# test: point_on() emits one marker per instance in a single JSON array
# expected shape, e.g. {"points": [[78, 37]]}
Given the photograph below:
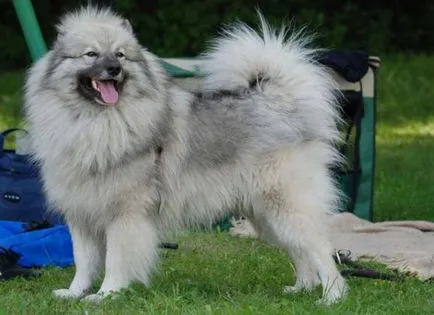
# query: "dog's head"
{"points": [[97, 56]]}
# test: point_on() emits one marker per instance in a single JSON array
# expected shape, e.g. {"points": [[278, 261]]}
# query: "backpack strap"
{"points": [[343, 257], [5, 133], [353, 111]]}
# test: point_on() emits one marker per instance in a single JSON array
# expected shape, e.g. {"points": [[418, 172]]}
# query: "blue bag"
{"points": [[50, 246], [21, 195]]}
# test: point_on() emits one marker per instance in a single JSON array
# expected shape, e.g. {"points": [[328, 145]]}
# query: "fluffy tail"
{"points": [[276, 64]]}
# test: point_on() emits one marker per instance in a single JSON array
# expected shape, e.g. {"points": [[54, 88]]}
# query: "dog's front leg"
{"points": [[88, 257], [131, 254]]}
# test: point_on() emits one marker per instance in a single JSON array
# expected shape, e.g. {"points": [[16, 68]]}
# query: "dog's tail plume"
{"points": [[276, 63]]}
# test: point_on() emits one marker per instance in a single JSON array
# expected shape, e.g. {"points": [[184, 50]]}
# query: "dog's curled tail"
{"points": [[276, 63]]}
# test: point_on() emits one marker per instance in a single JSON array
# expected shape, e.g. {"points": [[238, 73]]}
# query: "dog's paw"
{"points": [[299, 287], [326, 301], [67, 294], [292, 289], [336, 293], [99, 296], [93, 298]]}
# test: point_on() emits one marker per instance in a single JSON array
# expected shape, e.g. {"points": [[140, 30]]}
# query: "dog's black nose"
{"points": [[113, 70]]}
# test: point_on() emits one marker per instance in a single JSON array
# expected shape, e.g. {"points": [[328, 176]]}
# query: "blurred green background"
{"points": [[182, 28]]}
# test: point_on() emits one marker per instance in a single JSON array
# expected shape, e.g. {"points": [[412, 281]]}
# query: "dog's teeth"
{"points": [[94, 85]]}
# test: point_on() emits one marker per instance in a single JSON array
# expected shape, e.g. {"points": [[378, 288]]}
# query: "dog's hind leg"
{"points": [[290, 209], [131, 255], [307, 277], [307, 245], [88, 257], [306, 274]]}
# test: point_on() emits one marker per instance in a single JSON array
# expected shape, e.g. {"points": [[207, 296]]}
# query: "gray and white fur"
{"points": [[126, 155]]}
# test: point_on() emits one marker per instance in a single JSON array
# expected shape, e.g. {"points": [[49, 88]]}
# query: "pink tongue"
{"points": [[108, 92]]}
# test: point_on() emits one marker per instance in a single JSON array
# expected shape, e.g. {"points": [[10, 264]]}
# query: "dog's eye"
{"points": [[91, 54], [120, 55]]}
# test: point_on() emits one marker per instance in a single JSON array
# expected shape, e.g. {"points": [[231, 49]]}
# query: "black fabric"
{"points": [[356, 159], [168, 245], [350, 64], [342, 257], [36, 225], [9, 268], [352, 112], [351, 103]]}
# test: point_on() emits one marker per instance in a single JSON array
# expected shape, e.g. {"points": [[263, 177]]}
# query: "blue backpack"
{"points": [[21, 195], [29, 235]]}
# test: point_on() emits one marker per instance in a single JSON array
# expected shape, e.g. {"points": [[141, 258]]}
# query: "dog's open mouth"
{"points": [[105, 92]]}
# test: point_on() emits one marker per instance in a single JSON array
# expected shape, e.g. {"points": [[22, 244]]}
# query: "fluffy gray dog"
{"points": [[126, 155]]}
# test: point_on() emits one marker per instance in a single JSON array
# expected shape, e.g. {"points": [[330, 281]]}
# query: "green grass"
{"points": [[405, 134], [214, 273], [217, 274]]}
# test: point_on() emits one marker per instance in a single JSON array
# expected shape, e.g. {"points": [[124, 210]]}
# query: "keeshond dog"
{"points": [[127, 155]]}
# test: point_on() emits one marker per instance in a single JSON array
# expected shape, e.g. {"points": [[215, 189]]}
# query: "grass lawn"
{"points": [[214, 273]]}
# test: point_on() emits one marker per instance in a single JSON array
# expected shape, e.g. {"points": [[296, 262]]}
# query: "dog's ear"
{"points": [[127, 25]]}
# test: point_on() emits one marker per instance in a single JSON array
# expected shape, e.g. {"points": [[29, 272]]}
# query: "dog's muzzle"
{"points": [[103, 82]]}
